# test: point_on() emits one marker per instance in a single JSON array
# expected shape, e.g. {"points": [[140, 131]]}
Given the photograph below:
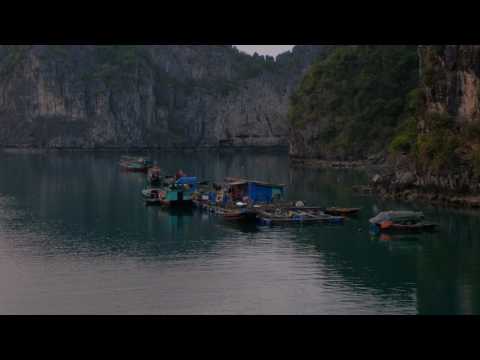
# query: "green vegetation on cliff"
{"points": [[436, 149], [355, 101]]}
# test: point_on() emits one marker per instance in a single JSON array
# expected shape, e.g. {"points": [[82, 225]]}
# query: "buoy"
{"points": [[299, 204]]}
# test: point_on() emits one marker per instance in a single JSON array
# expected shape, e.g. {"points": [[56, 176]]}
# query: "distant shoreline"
{"points": [[410, 195], [336, 164], [19, 149]]}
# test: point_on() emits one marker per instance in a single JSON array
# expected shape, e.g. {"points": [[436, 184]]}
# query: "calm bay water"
{"points": [[76, 238]]}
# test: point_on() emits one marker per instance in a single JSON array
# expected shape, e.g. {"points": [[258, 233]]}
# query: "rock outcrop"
{"points": [[160, 96], [445, 165], [450, 76]]}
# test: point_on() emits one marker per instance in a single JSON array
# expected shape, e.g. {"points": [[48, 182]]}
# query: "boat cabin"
{"points": [[182, 191]]}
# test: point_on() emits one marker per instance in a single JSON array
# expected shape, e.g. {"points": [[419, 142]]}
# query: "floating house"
{"points": [[179, 194], [255, 191]]}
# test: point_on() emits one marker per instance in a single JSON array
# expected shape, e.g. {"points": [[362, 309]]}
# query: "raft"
{"points": [[303, 216]]}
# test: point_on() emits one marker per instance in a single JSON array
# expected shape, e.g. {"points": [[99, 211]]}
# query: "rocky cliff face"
{"points": [[446, 159], [450, 76], [449, 124], [145, 96]]}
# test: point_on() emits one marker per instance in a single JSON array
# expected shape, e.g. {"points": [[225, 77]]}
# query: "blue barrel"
{"points": [[212, 197]]}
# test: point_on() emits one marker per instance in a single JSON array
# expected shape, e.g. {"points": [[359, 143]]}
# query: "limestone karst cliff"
{"points": [[448, 139], [416, 106], [443, 156], [61, 96]]}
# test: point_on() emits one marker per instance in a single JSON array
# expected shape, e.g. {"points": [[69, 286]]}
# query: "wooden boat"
{"points": [[133, 167], [334, 211], [241, 215], [152, 192], [233, 214], [398, 217], [171, 198], [181, 194], [400, 221], [130, 164], [153, 197], [389, 227]]}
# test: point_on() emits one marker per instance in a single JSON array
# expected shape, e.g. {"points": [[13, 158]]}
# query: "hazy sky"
{"points": [[273, 50]]}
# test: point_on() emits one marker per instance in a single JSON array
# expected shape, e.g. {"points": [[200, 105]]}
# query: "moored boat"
{"points": [[131, 164], [420, 227], [179, 194], [151, 192], [238, 214], [400, 221]]}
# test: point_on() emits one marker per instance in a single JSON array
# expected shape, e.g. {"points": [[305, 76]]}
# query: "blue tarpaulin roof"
{"points": [[187, 181]]}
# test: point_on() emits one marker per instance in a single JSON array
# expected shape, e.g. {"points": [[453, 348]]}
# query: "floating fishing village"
{"points": [[251, 201], [163, 179]]}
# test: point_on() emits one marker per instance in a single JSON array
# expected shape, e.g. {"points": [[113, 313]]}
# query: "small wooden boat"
{"points": [[334, 211], [400, 221], [240, 215], [164, 202], [134, 167], [153, 197], [233, 214], [389, 227], [169, 198], [131, 164], [181, 194], [152, 192], [398, 217]]}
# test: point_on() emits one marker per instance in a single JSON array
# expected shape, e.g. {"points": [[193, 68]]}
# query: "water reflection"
{"points": [[78, 207]]}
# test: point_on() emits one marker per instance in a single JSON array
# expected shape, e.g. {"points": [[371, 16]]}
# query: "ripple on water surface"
{"points": [[75, 237]]}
